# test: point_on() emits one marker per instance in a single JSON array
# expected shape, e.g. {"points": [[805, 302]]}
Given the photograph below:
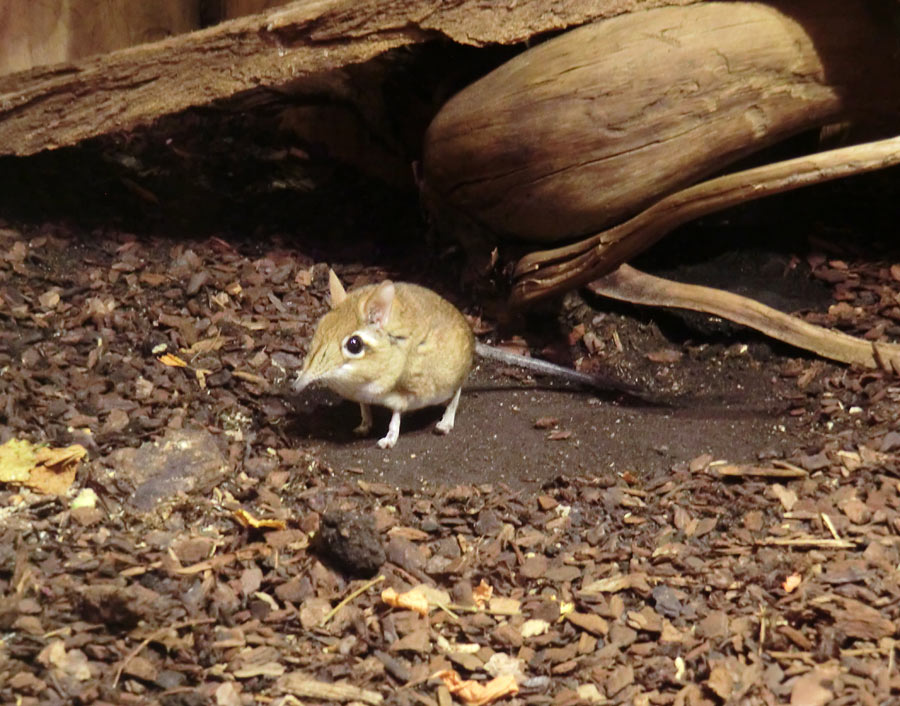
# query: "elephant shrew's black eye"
{"points": [[354, 345]]}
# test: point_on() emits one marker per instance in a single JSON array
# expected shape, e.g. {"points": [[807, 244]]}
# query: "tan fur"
{"points": [[418, 356]]}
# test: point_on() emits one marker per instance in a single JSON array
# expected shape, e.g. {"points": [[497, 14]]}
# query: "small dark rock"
{"points": [[350, 542], [667, 601]]}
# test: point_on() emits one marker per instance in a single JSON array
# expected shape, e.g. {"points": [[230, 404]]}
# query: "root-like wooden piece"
{"points": [[548, 272], [636, 287]]}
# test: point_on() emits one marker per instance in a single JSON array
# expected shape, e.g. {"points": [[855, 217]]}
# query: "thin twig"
{"points": [[359, 591], [859, 652], [150, 638], [732, 471], [809, 542], [830, 525]]}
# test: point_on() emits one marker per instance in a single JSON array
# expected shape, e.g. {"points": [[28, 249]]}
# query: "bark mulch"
{"points": [[204, 553]]}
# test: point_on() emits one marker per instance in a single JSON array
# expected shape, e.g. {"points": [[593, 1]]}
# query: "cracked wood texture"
{"points": [[52, 106], [589, 128]]}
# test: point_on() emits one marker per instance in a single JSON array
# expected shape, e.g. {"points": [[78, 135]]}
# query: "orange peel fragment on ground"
{"points": [[791, 583], [476, 693], [411, 600], [482, 593]]}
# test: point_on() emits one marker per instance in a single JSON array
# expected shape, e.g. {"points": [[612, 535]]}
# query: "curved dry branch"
{"points": [[636, 287], [548, 272]]}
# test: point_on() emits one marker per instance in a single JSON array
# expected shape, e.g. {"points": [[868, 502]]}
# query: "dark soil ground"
{"points": [[730, 535]]}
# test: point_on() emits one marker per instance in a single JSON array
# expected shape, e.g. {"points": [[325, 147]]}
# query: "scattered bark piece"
{"points": [[810, 689], [863, 622], [594, 624], [303, 686], [620, 678]]}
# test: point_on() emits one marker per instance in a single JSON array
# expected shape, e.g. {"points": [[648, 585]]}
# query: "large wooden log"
{"points": [[242, 8], [62, 104], [590, 128]]}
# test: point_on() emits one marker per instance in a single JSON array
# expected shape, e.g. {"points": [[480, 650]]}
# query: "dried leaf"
{"points": [[45, 469], [72, 663], [421, 598], [16, 461], [534, 627], [477, 693], [204, 346], [482, 593], [791, 583], [248, 520], [172, 360]]}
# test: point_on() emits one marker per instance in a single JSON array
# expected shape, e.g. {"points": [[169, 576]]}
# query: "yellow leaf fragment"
{"points": [[205, 345], [477, 693], [200, 374], [172, 361], [45, 469], [49, 456], [16, 460], [565, 608], [51, 481], [248, 520]]}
